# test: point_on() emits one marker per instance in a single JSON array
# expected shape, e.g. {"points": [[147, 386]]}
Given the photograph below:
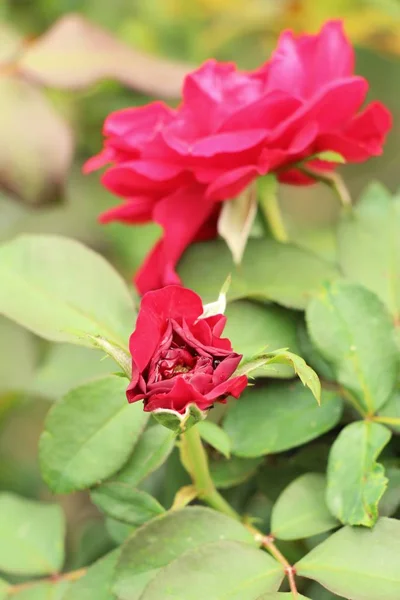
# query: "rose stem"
{"points": [[334, 181], [271, 211], [194, 458]]}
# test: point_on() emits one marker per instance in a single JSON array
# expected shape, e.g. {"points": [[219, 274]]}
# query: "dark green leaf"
{"points": [[152, 449], [301, 510], [32, 536], [175, 532], [227, 473], [264, 279], [61, 290], [358, 563], [254, 328], [89, 434], [356, 482], [215, 436], [369, 245], [364, 357], [124, 503], [97, 582], [279, 417], [224, 569]]}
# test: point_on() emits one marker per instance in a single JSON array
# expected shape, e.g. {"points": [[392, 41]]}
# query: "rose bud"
{"points": [[179, 360]]}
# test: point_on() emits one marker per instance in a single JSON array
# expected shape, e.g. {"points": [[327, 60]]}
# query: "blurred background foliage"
{"points": [[60, 75]]}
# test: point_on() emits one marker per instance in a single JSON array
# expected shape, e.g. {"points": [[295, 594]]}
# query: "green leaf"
{"points": [[118, 531], [265, 279], [390, 501], [175, 532], [18, 357], [235, 221], [352, 330], [356, 482], [59, 289], [307, 375], [317, 592], [178, 422], [391, 411], [311, 355], [65, 367], [43, 591], [224, 569], [124, 503], [277, 418], [227, 473], [32, 536], [358, 563], [215, 436], [152, 449], [89, 435], [369, 245], [253, 328], [97, 582], [301, 510]]}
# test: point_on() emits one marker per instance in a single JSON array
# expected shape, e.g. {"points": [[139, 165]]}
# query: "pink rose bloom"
{"points": [[175, 166]]}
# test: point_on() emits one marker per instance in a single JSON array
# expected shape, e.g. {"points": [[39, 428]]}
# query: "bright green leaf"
{"points": [[97, 582], [152, 449], [311, 355], [124, 503], [369, 245], [265, 279], [224, 569], [215, 436], [301, 510], [60, 290], [306, 374], [358, 563], [254, 328], [352, 330], [65, 367], [356, 482], [227, 473], [32, 536], [271, 419], [89, 435], [175, 532]]}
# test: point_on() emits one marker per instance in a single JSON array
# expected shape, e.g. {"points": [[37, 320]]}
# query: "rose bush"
{"points": [[178, 357], [175, 166]]}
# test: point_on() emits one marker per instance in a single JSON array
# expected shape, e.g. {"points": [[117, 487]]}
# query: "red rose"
{"points": [[175, 166], [179, 358]]}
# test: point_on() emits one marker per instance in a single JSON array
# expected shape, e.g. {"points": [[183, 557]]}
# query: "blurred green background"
{"points": [[58, 81]]}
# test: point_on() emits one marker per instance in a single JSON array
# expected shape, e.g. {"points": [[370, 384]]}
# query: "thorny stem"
{"points": [[71, 576], [334, 181], [195, 460]]}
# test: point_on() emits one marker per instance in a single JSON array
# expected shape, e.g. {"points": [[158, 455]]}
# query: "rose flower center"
{"points": [[175, 361]]}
